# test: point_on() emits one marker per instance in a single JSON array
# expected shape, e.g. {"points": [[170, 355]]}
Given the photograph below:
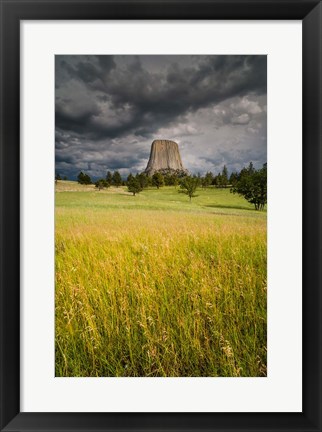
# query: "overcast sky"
{"points": [[109, 109]]}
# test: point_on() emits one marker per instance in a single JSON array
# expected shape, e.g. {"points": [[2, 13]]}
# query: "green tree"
{"points": [[84, 179], [175, 181], [168, 179], [233, 178], [80, 177], [218, 180], [207, 179], [199, 178], [171, 180], [188, 186], [251, 168], [101, 184], [252, 185], [143, 180], [157, 180], [109, 177], [116, 179], [134, 186], [224, 177]]}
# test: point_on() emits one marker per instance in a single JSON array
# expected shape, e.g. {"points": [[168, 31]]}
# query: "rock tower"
{"points": [[165, 158]]}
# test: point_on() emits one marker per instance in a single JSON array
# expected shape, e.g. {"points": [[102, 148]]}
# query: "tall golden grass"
{"points": [[146, 292]]}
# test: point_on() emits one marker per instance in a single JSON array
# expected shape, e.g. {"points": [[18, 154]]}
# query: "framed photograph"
{"points": [[161, 215]]}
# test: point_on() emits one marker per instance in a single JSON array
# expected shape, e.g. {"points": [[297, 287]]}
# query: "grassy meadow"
{"points": [[155, 286]]}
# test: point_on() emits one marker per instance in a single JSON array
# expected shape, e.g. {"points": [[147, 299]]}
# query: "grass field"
{"points": [[156, 286]]}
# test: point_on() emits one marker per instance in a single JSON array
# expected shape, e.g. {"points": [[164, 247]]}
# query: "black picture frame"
{"points": [[12, 12]]}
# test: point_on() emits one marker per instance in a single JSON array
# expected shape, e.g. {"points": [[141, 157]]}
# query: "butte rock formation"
{"points": [[165, 158]]}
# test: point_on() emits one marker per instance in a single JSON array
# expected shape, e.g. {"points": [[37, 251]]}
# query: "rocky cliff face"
{"points": [[165, 158]]}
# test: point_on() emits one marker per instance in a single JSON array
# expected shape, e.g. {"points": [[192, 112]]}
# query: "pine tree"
{"points": [[109, 177], [117, 179], [134, 185], [157, 180], [224, 177], [84, 178]]}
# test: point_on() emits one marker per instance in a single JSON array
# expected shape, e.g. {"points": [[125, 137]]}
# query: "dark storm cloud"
{"points": [[154, 100], [235, 158], [115, 99]]}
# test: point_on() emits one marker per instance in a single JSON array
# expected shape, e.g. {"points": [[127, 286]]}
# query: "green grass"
{"points": [[154, 285]]}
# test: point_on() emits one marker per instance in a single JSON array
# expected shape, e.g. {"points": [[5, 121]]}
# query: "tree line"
{"points": [[249, 182]]}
